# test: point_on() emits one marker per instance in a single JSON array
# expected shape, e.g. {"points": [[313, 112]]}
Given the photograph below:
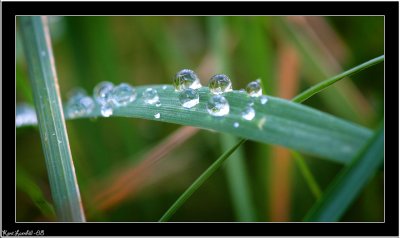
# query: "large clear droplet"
{"points": [[189, 98], [123, 94], [248, 113], [218, 106], [79, 104], [106, 109], [254, 89], [186, 78], [150, 96], [25, 115], [102, 93], [219, 84]]}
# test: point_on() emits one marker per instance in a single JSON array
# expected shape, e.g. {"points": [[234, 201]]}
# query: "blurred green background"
{"points": [[288, 53]]}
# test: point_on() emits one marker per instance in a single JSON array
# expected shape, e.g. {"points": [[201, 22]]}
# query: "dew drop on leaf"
{"points": [[248, 113], [218, 106], [123, 94], [254, 89], [150, 96], [189, 98], [186, 78], [219, 84]]}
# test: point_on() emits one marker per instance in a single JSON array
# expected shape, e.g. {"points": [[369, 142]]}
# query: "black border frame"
{"points": [[389, 9]]}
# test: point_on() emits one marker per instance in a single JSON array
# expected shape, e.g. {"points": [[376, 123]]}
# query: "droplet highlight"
{"points": [[157, 115], [150, 96], [106, 110], [236, 124], [102, 93], [219, 84], [218, 106], [186, 78], [254, 89], [123, 94], [189, 98], [263, 99], [248, 113]]}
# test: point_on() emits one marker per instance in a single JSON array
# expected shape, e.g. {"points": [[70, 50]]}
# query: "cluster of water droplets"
{"points": [[107, 97], [186, 83]]}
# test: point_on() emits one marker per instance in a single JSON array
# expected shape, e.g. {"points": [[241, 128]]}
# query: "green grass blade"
{"points": [[43, 79], [348, 184], [312, 183], [199, 181], [238, 181], [326, 83], [278, 122]]}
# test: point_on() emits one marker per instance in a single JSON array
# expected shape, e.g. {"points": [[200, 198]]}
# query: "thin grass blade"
{"points": [[43, 79], [305, 170], [348, 184], [199, 181], [326, 83]]}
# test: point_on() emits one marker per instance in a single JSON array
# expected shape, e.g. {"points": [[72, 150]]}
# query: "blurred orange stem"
{"points": [[280, 180]]}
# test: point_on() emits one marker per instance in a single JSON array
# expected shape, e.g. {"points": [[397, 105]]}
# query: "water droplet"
{"points": [[158, 104], [263, 99], [102, 93], [59, 141], [25, 115], [106, 110], [150, 96], [186, 78], [248, 113], [236, 124], [218, 106], [164, 87], [157, 115], [123, 94], [254, 89], [220, 83], [189, 98], [79, 104]]}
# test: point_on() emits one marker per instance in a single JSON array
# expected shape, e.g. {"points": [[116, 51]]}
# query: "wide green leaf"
{"points": [[278, 122]]}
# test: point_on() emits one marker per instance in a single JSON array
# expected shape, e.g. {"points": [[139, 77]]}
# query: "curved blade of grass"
{"points": [[199, 181], [348, 184], [311, 182], [324, 84], [43, 78], [279, 122]]}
